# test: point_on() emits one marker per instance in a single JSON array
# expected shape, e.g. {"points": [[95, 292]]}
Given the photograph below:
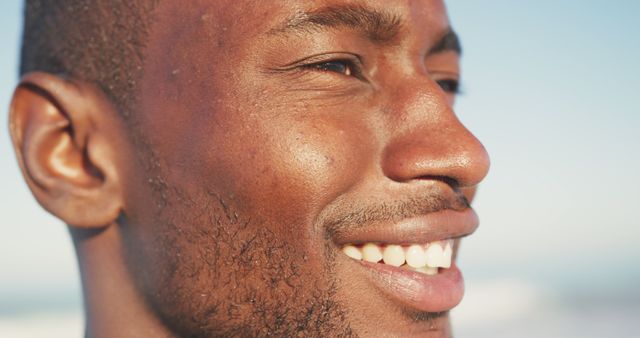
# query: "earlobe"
{"points": [[58, 129]]}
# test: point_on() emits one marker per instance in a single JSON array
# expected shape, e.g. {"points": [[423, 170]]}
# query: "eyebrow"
{"points": [[379, 27], [448, 42]]}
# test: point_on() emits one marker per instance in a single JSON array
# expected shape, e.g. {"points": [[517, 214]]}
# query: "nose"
{"points": [[427, 140]]}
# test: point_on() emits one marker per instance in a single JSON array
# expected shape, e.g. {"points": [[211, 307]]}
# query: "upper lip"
{"points": [[440, 225]]}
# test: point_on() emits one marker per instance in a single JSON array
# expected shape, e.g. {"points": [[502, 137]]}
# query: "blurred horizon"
{"points": [[548, 87]]}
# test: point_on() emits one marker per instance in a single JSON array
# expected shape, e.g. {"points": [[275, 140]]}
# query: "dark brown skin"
{"points": [[206, 216]]}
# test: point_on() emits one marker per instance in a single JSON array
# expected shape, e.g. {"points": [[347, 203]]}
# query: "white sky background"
{"points": [[551, 90]]}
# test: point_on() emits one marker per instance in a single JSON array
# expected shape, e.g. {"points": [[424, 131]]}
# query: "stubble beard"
{"points": [[210, 272]]}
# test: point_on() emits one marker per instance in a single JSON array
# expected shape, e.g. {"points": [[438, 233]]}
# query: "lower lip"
{"points": [[416, 290]]}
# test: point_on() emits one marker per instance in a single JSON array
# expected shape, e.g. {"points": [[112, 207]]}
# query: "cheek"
{"points": [[241, 206], [285, 171]]}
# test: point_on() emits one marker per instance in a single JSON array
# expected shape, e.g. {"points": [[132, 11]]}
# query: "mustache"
{"points": [[395, 211]]}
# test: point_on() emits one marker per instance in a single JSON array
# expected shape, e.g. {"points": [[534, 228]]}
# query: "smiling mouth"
{"points": [[427, 258], [411, 261]]}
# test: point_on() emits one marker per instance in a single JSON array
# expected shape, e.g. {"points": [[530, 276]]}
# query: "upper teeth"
{"points": [[426, 258]]}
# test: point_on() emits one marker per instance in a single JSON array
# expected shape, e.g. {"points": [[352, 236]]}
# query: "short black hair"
{"points": [[98, 41]]}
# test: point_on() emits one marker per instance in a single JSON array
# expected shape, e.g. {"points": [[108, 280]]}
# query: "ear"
{"points": [[64, 135]]}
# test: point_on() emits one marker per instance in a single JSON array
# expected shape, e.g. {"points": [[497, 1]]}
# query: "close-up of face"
{"points": [[291, 168]]}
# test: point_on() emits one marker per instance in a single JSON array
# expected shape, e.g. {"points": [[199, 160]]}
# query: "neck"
{"points": [[113, 305]]}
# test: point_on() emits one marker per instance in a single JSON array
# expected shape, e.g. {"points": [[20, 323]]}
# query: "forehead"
{"points": [[244, 19]]}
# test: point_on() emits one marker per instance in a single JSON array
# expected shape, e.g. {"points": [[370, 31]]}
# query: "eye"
{"points": [[344, 67], [450, 86]]}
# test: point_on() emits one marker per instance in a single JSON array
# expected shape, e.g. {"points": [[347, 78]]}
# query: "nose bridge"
{"points": [[426, 139]]}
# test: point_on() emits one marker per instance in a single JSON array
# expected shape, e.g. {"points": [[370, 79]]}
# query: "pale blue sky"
{"points": [[551, 91], [550, 88]]}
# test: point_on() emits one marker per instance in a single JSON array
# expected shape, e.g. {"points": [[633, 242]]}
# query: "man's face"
{"points": [[279, 132]]}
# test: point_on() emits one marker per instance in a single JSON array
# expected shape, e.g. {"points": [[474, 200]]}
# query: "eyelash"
{"points": [[449, 86]]}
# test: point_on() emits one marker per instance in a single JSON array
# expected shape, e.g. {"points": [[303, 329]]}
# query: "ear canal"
{"points": [[65, 161]]}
